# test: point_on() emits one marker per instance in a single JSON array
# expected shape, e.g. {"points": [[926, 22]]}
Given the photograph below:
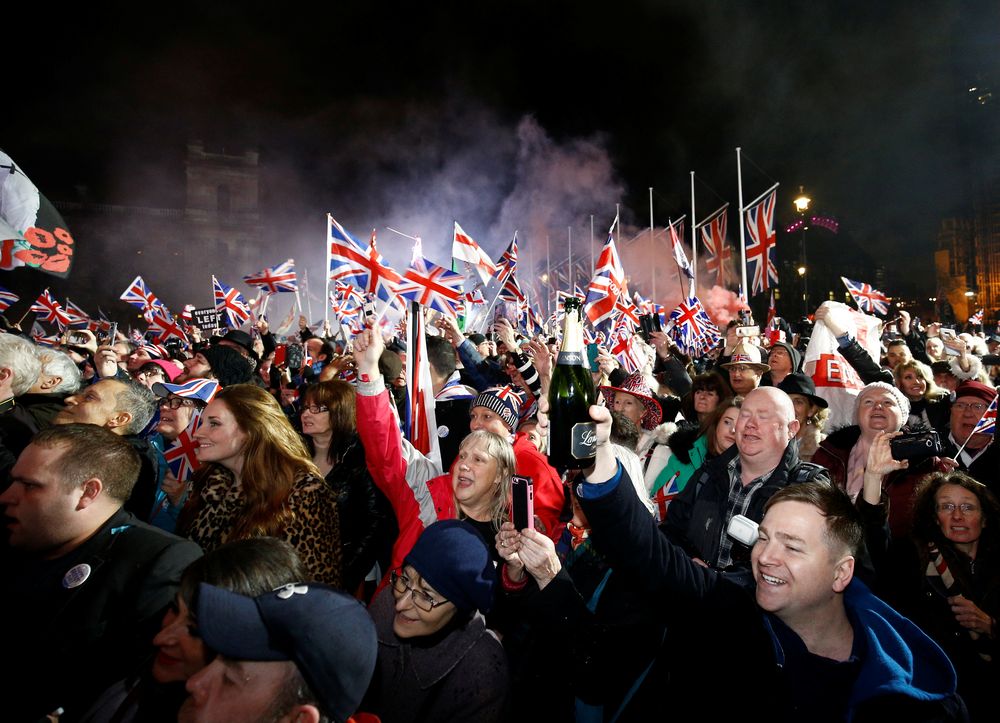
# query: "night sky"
{"points": [[519, 115]]}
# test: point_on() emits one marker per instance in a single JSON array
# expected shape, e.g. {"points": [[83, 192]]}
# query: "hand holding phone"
{"points": [[522, 509]]}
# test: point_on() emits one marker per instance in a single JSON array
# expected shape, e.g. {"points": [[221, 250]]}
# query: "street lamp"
{"points": [[801, 204]]}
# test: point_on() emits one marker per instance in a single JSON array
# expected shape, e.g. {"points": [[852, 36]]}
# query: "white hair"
{"points": [[18, 355], [59, 364]]}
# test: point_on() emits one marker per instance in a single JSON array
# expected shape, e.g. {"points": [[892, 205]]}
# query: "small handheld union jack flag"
{"points": [[138, 295], [977, 318], [988, 423], [7, 298], [180, 455], [693, 330], [431, 285], [868, 298], [49, 310], [230, 303], [275, 279]]}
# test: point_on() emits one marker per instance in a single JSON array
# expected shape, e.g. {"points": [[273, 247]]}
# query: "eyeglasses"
{"points": [[149, 372], [965, 507], [401, 585], [974, 406], [315, 408], [177, 402]]}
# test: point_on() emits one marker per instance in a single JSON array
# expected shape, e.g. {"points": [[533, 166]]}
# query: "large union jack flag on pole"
{"points": [[49, 310], [230, 304], [138, 295], [275, 279], [761, 253], [713, 236], [869, 299], [430, 285]]}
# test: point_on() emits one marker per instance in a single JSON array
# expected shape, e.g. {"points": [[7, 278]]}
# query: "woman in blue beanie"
{"points": [[436, 659]]}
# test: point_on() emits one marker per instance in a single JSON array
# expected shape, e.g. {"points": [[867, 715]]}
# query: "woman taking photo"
{"points": [[367, 524], [257, 479], [477, 490]]}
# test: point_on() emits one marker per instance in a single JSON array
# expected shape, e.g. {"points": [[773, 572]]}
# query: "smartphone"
{"points": [[279, 355], [109, 338], [648, 323], [593, 351], [76, 338], [522, 509]]}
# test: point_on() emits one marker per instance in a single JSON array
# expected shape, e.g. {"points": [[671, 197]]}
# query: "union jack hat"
{"points": [[202, 390], [749, 355], [505, 402], [636, 386]]}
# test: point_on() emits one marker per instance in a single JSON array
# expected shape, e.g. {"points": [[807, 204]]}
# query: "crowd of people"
{"points": [[238, 529]]}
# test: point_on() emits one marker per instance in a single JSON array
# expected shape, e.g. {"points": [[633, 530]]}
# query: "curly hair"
{"points": [[274, 457]]}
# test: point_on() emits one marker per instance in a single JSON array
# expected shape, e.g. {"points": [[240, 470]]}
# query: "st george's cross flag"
{"points": [[464, 248]]}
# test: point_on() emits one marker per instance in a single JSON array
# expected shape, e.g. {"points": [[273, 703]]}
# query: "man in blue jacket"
{"points": [[799, 638]]}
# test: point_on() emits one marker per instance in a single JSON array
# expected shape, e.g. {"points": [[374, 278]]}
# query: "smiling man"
{"points": [[981, 456], [801, 631], [87, 582], [741, 480]]}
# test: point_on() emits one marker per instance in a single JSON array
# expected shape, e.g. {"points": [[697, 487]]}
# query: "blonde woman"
{"points": [[930, 405]]}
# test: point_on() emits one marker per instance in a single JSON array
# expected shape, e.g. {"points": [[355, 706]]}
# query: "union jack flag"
{"points": [[275, 279], [977, 318], [180, 455], [164, 327], [48, 309], [382, 279], [988, 423], [186, 314], [464, 248], [713, 235], [607, 286], [78, 318], [511, 290], [474, 297], [693, 330], [39, 337], [761, 250], [664, 495], [7, 298], [230, 304], [431, 285], [868, 298], [138, 295], [507, 262], [625, 347], [156, 351], [347, 260]]}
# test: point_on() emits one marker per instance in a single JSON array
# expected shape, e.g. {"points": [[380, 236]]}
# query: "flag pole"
{"points": [[326, 291], [694, 239], [618, 226], [652, 244], [548, 274], [743, 246], [680, 279], [591, 245], [569, 241]]}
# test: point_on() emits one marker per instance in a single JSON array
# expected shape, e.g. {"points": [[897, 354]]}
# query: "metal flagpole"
{"points": [[618, 226], [652, 246], [694, 239], [591, 245], [548, 275], [572, 273], [326, 294], [743, 246]]}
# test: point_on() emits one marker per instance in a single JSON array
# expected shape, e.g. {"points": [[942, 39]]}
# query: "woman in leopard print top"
{"points": [[258, 479]]}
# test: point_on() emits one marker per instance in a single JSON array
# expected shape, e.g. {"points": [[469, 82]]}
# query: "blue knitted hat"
{"points": [[454, 559]]}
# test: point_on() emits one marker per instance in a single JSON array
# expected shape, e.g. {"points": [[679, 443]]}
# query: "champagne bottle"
{"points": [[572, 433]]}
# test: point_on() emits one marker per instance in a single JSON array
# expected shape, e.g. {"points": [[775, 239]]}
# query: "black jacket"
{"points": [[697, 516], [67, 644]]}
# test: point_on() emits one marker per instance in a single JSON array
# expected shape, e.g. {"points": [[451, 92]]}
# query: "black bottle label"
{"points": [[584, 444], [570, 358]]}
